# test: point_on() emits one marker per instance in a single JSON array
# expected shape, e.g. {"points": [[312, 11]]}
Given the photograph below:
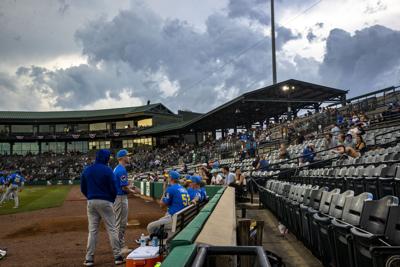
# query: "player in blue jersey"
{"points": [[2, 185], [16, 183], [194, 189], [175, 199], [121, 201]]}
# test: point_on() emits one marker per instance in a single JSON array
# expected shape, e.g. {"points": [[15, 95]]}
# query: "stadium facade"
{"points": [[24, 132]]}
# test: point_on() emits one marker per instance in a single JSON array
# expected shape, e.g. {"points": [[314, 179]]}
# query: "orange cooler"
{"points": [[146, 256]]}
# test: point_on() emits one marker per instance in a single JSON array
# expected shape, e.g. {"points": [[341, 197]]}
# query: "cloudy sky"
{"points": [[187, 54]]}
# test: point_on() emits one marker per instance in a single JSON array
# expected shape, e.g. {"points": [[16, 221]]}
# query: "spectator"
{"points": [[263, 164], [348, 142], [308, 154], [360, 145], [216, 178], [329, 142], [229, 177], [283, 152]]}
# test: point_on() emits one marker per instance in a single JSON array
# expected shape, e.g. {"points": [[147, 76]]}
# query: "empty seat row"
{"points": [[380, 180], [340, 228]]}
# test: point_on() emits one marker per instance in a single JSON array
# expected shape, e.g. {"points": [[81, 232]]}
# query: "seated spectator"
{"points": [[263, 164], [348, 142], [308, 154], [360, 145], [346, 150], [335, 131], [229, 177], [216, 178], [283, 152], [329, 142]]}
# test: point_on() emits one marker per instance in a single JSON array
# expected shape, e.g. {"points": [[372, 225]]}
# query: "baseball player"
{"points": [[176, 198], [98, 186], [16, 183], [121, 201], [2, 185], [194, 189]]}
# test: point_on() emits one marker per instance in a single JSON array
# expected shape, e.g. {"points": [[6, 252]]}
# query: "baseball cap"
{"points": [[122, 153], [196, 179], [174, 175]]}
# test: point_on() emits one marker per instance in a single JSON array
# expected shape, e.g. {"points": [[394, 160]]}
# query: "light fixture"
{"points": [[285, 88], [293, 87]]}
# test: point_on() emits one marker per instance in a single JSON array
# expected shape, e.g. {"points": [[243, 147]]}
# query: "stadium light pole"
{"points": [[273, 43]]}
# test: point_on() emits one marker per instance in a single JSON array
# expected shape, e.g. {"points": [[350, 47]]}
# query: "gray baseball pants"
{"points": [[11, 190], [121, 217], [98, 210], [166, 221]]}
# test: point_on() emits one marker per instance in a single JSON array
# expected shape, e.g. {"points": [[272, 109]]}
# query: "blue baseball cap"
{"points": [[122, 153], [196, 179], [174, 175]]}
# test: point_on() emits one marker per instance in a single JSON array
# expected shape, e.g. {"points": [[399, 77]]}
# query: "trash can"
{"points": [[146, 256]]}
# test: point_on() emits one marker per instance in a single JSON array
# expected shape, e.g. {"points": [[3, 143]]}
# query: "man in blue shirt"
{"points": [[98, 186], [175, 199], [15, 183], [308, 154], [121, 201]]}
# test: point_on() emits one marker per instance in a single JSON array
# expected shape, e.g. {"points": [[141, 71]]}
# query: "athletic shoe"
{"points": [[3, 253], [119, 260], [88, 263]]}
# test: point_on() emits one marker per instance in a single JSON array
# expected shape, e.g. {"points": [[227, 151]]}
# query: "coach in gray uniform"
{"points": [[98, 185]]}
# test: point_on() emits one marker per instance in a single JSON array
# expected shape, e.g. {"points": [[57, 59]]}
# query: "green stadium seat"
{"points": [[180, 256]]}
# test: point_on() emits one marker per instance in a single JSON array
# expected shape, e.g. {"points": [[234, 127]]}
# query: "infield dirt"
{"points": [[57, 236]]}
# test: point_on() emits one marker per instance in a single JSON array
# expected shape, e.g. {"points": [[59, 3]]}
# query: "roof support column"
{"points": [[196, 138], [343, 100]]}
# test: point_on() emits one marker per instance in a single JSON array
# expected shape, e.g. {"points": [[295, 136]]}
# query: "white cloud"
{"points": [[124, 99]]}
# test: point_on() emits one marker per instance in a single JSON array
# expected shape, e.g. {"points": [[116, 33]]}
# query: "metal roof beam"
{"points": [[285, 100]]}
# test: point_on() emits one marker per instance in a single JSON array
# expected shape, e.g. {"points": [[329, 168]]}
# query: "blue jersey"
{"points": [[2, 180], [203, 194], [177, 198], [121, 179], [194, 193], [16, 179]]}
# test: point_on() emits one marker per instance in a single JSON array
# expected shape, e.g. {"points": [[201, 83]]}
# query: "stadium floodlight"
{"points": [[285, 88]]}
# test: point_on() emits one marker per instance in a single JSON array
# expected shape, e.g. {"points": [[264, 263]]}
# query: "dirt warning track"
{"points": [[57, 236]]}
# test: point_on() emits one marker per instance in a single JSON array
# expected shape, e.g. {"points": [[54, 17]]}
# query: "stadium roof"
{"points": [[255, 106], [83, 115]]}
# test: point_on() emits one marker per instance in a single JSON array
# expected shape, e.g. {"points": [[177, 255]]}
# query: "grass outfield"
{"points": [[37, 197]]}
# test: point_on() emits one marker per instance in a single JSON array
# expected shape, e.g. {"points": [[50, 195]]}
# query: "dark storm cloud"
{"points": [[369, 59], [255, 9], [137, 46]]}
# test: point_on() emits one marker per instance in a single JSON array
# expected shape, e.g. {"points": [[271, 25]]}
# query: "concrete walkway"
{"points": [[292, 251]]}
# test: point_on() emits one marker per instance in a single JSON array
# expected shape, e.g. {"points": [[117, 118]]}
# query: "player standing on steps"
{"points": [[121, 201], [98, 186]]}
